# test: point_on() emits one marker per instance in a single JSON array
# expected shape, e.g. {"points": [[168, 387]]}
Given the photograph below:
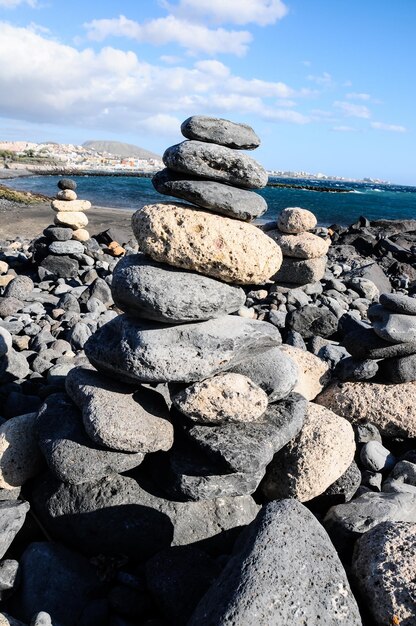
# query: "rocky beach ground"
{"points": [[189, 438]]}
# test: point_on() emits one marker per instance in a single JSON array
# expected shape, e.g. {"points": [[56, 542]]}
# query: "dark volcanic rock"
{"points": [[58, 233], [216, 197], [220, 131], [55, 580], [399, 369], [250, 446], [365, 344], [310, 321], [263, 582], [67, 183], [70, 454], [144, 352], [61, 266], [214, 162], [145, 288], [398, 303]]}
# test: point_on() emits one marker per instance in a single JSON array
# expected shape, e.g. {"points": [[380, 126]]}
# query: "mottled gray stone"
{"points": [[58, 233], [67, 183], [217, 197], [384, 570], [12, 517], [54, 580], [249, 447], [375, 457], [311, 320], [398, 303], [354, 369], [116, 417], [263, 582], [61, 266], [66, 247], [363, 343], [393, 327], [19, 287], [145, 288], [402, 479], [214, 162], [115, 515], [138, 351], [300, 272], [70, 454], [8, 577], [275, 372], [6, 341], [220, 131]]}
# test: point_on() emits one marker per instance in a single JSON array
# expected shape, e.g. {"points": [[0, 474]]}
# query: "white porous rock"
{"points": [[80, 234], [73, 206], [66, 194], [217, 246], [302, 246], [313, 372], [295, 220], [74, 220]]}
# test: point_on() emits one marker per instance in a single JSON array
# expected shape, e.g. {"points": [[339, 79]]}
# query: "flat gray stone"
{"points": [[393, 327], [284, 570], [217, 197], [207, 160], [249, 447], [66, 247], [158, 292], [116, 417], [115, 515], [300, 271], [69, 453], [12, 517], [364, 343], [220, 131], [398, 303], [137, 351]]}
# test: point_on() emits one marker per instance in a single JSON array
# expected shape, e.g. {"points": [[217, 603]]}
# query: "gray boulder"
{"points": [[399, 369], [284, 570], [398, 303], [220, 131], [66, 247], [273, 371], [158, 292], [207, 160], [310, 321], [363, 343], [69, 453], [300, 271], [139, 351], [394, 327], [19, 287], [217, 197], [12, 517]]}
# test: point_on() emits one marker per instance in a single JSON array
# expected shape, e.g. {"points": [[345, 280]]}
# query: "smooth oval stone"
{"points": [[398, 303], [20, 458], [73, 206], [300, 271], [394, 327], [145, 288], [227, 397], [73, 219], [140, 351], [295, 220], [115, 417], [399, 369], [67, 183], [230, 250], [208, 160], [66, 247], [56, 233], [301, 246], [80, 234], [66, 194], [220, 131], [283, 570], [375, 457], [363, 343], [208, 194]]}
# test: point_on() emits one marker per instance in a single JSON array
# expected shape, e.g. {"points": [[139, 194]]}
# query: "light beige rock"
{"points": [[296, 220], [316, 458], [80, 234], [384, 566], [20, 457], [231, 250], [301, 271], [314, 373], [6, 279], [66, 194], [3, 267], [73, 206], [225, 398], [74, 220], [392, 408], [301, 246]]}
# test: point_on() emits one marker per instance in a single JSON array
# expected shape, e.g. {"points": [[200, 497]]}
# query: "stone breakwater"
{"points": [[171, 430]]}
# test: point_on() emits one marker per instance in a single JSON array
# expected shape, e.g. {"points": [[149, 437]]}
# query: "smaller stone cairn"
{"points": [[304, 253]]}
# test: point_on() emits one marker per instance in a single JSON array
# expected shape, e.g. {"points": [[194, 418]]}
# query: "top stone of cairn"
{"points": [[220, 131]]}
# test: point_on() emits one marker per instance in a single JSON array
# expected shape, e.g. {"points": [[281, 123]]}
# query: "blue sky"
{"points": [[327, 84]]}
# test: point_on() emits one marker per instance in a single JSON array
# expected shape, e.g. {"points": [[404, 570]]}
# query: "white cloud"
{"points": [[45, 81], [170, 59], [195, 38], [353, 110], [12, 4], [394, 128], [324, 79], [358, 96], [261, 12]]}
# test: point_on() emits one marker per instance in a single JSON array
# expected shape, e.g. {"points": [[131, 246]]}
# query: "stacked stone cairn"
{"points": [[304, 253]]}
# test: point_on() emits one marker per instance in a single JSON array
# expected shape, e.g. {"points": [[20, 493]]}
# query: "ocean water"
{"points": [[341, 202]]}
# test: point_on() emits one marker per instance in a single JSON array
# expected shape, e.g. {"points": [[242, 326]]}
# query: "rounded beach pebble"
{"points": [[20, 457], [224, 398], [80, 234], [301, 246], [66, 194], [233, 251], [67, 183], [220, 131], [295, 220]]}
